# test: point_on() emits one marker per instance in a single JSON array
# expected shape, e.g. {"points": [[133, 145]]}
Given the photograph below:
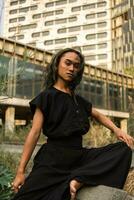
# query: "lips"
{"points": [[69, 74]]}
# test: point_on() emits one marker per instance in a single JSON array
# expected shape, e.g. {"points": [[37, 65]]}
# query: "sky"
{"points": [[1, 15]]}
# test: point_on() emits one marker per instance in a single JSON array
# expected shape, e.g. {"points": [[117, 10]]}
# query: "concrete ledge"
{"points": [[102, 193], [5, 100], [113, 113]]}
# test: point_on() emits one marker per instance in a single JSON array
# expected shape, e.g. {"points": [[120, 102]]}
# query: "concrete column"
{"points": [[105, 96], [9, 120], [123, 125]]}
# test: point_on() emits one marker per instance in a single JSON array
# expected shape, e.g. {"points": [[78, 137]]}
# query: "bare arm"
{"points": [[110, 125], [28, 149]]}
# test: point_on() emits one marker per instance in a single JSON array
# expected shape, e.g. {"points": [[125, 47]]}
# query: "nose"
{"points": [[71, 67]]}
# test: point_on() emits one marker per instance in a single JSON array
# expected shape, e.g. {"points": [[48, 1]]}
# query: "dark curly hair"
{"points": [[52, 69]]}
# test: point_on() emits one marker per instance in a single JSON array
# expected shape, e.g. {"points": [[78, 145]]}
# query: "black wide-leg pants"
{"points": [[55, 166]]}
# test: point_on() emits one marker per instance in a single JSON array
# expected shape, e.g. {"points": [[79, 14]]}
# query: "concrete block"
{"points": [[102, 193]]}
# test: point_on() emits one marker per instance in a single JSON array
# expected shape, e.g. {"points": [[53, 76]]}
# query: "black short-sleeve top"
{"points": [[64, 115]]}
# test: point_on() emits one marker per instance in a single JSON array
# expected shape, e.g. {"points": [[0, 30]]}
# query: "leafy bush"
{"points": [[8, 166], [5, 186], [18, 136], [10, 160]]}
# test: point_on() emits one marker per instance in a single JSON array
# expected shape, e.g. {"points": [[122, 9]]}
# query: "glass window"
{"points": [[102, 24], [12, 38], [51, 4], [34, 7], [102, 56], [25, 77], [47, 14], [101, 14], [88, 6], [19, 37], [89, 47], [130, 37], [12, 29], [28, 26], [48, 42], [37, 16], [4, 68], [13, 20], [20, 19], [60, 41], [72, 19], [91, 57], [49, 23], [77, 48], [90, 16], [88, 26], [61, 2], [102, 35], [62, 30], [13, 3], [61, 21], [90, 36], [75, 9], [13, 11], [32, 44], [74, 28], [72, 1], [58, 12], [101, 4], [22, 1], [45, 33], [72, 39], [103, 45], [32, 25], [37, 34], [24, 9]]}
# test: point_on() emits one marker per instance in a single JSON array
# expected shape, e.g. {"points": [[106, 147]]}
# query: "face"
{"points": [[68, 67]]}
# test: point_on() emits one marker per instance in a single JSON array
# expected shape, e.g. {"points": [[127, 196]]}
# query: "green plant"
{"points": [[5, 186], [19, 135], [10, 160]]}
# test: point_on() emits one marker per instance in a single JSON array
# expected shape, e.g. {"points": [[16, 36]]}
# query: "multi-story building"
{"points": [[1, 15], [56, 24], [123, 34]]}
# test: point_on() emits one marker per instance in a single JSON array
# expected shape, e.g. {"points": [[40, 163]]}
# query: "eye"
{"points": [[76, 65], [68, 62]]}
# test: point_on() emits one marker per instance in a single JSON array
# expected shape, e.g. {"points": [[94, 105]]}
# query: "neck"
{"points": [[63, 86]]}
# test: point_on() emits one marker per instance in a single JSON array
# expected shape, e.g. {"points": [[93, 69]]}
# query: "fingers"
{"points": [[128, 140], [124, 140], [131, 141], [15, 187]]}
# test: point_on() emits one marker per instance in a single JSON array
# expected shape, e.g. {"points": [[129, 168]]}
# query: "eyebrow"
{"points": [[72, 61]]}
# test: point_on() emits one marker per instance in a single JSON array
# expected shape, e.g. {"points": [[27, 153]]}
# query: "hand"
{"points": [[121, 135], [18, 182]]}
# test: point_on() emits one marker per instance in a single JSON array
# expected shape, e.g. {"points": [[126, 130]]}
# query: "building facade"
{"points": [[123, 34], [22, 78], [55, 24], [1, 15]]}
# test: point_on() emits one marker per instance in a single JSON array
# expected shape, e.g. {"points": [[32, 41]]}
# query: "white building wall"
{"points": [[97, 49]]}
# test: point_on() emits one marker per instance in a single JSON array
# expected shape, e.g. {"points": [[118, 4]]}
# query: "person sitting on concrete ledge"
{"points": [[63, 165]]}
